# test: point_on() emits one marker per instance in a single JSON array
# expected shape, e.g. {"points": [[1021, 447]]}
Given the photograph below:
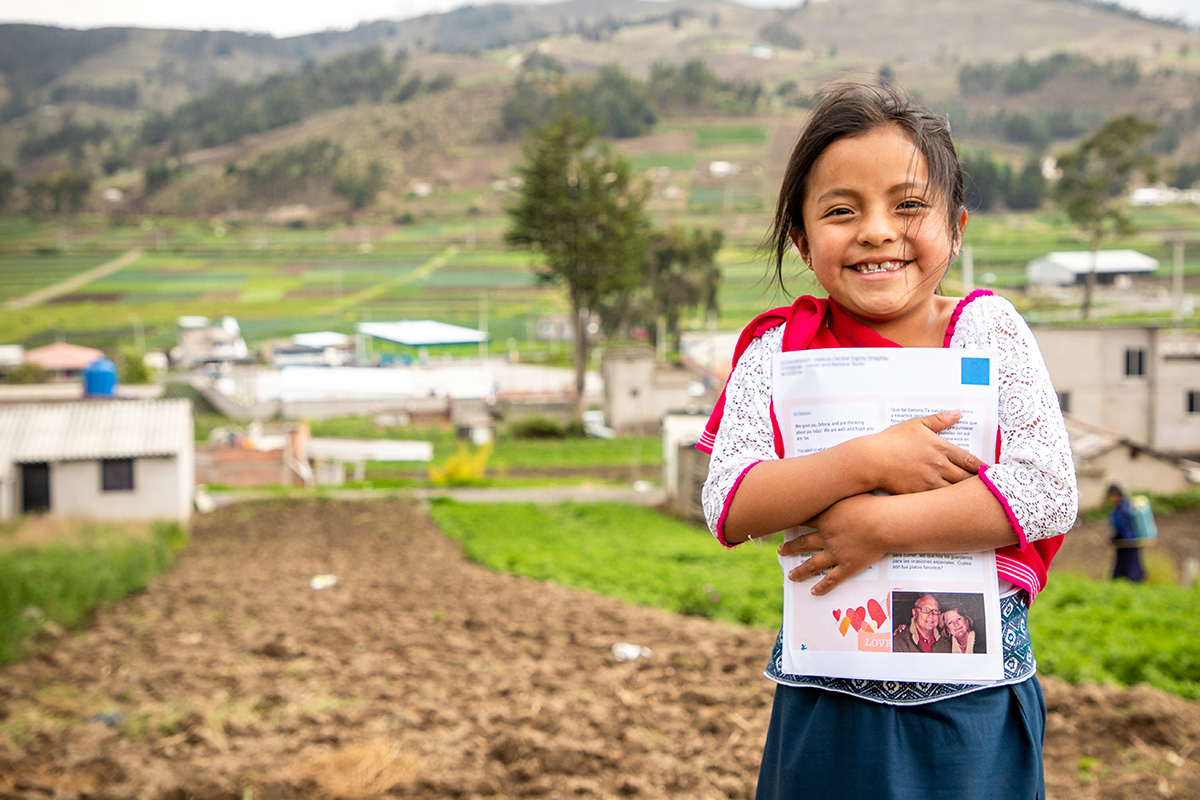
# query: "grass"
{"points": [[637, 456], [63, 580], [1116, 633], [1120, 633], [632, 553]]}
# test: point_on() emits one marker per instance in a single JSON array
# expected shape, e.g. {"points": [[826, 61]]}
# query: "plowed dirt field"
{"points": [[422, 675]]}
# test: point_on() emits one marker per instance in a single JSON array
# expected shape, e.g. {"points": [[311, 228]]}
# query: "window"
{"points": [[1193, 402], [1135, 362], [1064, 402], [116, 475]]}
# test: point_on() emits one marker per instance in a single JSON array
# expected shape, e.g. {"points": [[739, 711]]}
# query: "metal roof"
{"points": [[94, 429], [1079, 262], [321, 339], [422, 332]]}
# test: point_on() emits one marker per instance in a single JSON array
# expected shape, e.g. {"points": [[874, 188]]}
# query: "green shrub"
{"points": [[536, 428]]}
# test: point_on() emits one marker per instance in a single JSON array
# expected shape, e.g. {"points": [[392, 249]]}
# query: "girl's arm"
{"points": [[908, 457], [858, 531], [750, 492]]}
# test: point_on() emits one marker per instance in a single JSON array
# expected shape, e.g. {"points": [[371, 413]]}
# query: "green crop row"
{"points": [[1083, 631], [631, 553]]}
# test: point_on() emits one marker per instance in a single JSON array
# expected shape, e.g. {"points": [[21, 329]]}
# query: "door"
{"points": [[35, 488]]}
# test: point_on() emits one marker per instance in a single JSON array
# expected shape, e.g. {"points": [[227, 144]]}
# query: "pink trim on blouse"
{"points": [[958, 310], [1022, 541], [728, 501]]}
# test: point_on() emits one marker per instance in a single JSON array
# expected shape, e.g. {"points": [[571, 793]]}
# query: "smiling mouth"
{"points": [[874, 269]]}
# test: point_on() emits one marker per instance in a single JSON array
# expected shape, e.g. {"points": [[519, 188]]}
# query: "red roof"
{"points": [[61, 356]]}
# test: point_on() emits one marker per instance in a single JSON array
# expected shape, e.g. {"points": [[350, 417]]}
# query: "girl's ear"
{"points": [[801, 242], [956, 237]]}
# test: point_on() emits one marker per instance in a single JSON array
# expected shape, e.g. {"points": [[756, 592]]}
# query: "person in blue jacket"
{"points": [[1125, 539]]}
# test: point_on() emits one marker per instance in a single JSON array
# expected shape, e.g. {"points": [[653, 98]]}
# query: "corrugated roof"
{"points": [[94, 429]]}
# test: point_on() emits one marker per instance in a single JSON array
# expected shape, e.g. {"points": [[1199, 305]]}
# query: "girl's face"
{"points": [[875, 232]]}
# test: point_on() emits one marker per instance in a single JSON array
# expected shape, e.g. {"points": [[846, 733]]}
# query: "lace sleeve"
{"points": [[745, 436], [1034, 477]]}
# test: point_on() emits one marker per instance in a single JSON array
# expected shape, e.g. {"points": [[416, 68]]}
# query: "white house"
{"points": [[109, 459], [1141, 383], [1065, 268], [201, 343]]}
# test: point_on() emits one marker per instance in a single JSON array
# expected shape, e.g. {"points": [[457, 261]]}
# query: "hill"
{"points": [[144, 111]]}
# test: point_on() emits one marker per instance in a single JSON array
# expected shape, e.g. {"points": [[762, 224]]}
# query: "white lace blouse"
{"points": [[1034, 477]]}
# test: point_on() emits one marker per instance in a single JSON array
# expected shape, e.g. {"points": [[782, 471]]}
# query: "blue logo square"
{"points": [[975, 371]]}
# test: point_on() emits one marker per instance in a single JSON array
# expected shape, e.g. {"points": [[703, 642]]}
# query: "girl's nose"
{"points": [[878, 227]]}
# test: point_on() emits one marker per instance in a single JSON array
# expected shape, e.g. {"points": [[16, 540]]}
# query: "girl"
{"points": [[873, 202]]}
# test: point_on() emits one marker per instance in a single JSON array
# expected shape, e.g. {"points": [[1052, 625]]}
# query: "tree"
{"points": [[8, 182], [617, 103], [581, 210], [679, 272], [1095, 178], [1028, 188]]}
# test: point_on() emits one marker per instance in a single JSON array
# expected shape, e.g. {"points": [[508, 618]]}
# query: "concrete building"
{"points": [[107, 459], [1142, 383], [201, 343], [638, 390], [684, 467]]}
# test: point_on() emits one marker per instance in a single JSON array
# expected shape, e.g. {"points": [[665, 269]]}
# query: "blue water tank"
{"points": [[100, 378]]}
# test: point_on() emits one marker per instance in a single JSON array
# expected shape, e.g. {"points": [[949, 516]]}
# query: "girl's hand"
{"points": [[911, 457], [847, 541]]}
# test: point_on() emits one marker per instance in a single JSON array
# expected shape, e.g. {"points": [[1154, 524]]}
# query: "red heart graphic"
{"points": [[837, 614], [857, 617], [876, 611]]}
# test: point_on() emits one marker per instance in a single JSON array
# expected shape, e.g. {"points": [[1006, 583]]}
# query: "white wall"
{"points": [[1089, 365], [677, 430], [162, 490]]}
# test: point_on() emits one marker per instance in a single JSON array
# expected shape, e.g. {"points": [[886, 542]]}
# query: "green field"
{"points": [[278, 281]]}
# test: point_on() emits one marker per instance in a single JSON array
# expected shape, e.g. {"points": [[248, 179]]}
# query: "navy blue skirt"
{"points": [[827, 745]]}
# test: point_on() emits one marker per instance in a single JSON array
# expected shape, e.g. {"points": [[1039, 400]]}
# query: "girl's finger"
{"points": [[805, 543], [814, 566], [827, 584]]}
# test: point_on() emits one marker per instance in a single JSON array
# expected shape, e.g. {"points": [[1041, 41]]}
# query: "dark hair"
{"points": [[853, 109], [1115, 489]]}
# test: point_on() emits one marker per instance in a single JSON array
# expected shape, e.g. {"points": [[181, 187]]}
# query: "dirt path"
{"points": [[421, 675], [74, 282]]}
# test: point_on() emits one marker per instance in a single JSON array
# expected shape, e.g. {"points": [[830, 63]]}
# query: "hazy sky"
{"points": [[292, 18]]}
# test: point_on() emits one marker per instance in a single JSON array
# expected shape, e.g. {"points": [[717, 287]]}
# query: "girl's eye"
{"points": [[912, 205], [837, 212]]}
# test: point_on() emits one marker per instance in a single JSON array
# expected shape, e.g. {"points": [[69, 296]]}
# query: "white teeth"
{"points": [[887, 266]]}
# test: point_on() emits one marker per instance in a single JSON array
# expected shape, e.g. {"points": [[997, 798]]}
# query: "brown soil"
{"points": [[422, 675]]}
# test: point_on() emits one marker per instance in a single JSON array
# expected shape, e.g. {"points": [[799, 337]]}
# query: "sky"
{"points": [[293, 18]]}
